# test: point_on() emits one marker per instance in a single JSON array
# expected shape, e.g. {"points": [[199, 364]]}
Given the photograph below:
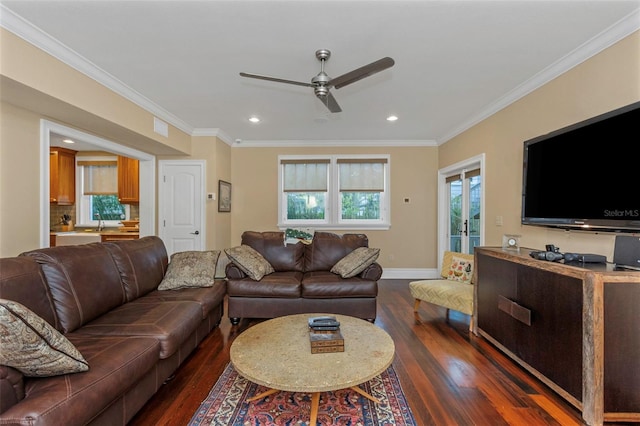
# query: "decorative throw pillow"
{"points": [[249, 261], [190, 269], [355, 262], [460, 270], [31, 345]]}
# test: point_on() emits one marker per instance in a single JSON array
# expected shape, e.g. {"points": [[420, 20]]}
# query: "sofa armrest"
{"points": [[232, 271], [372, 272], [11, 387]]}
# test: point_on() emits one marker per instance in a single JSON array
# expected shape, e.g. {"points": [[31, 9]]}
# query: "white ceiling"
{"points": [[456, 62]]}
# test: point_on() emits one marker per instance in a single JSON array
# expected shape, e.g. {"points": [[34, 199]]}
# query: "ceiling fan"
{"points": [[321, 83]]}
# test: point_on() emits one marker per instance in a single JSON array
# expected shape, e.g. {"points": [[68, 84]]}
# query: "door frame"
{"points": [[147, 175], [475, 162], [162, 164]]}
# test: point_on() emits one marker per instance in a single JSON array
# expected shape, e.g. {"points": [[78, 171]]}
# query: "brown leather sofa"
{"points": [[302, 281], [103, 298]]}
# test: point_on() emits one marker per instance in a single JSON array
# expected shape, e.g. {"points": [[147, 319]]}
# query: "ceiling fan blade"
{"points": [[277, 80], [362, 72], [330, 102]]}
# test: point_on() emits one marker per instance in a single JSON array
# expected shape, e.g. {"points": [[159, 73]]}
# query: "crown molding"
{"points": [[330, 143], [218, 133], [616, 32], [43, 41]]}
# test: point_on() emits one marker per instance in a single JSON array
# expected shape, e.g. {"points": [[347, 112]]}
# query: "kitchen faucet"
{"points": [[100, 222]]}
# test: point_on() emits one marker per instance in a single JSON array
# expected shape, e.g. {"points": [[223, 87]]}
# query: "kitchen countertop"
{"points": [[93, 232]]}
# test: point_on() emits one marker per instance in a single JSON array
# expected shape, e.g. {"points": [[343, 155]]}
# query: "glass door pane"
{"points": [[474, 187], [465, 195], [455, 214]]}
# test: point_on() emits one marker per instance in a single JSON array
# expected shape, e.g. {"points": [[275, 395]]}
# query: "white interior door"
{"points": [[181, 202]]}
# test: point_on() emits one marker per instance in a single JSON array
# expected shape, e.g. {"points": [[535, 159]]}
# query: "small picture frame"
{"points": [[224, 196]]}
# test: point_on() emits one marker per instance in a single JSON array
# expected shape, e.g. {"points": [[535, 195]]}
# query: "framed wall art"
{"points": [[224, 196]]}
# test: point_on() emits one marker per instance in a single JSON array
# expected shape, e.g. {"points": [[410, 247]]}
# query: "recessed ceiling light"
{"points": [[67, 141], [254, 119], [392, 118]]}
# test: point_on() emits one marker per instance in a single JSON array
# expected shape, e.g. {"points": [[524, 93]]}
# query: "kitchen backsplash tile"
{"points": [[56, 213]]}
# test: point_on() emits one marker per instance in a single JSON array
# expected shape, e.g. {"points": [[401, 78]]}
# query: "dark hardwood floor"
{"points": [[450, 376]]}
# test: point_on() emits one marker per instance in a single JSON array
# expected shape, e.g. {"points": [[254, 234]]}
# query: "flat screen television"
{"points": [[585, 176]]}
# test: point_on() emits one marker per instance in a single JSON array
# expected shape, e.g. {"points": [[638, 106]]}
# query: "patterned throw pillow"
{"points": [[460, 270], [190, 269], [355, 262], [249, 261], [31, 345]]}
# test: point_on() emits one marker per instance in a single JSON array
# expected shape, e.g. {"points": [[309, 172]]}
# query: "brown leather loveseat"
{"points": [[302, 281], [103, 298]]}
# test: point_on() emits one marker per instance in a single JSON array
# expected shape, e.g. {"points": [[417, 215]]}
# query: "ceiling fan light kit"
{"points": [[322, 83]]}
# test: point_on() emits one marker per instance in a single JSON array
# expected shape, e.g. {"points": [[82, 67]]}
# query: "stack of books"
{"points": [[324, 335]]}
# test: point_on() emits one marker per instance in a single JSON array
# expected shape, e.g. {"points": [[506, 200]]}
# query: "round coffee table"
{"points": [[277, 354]]}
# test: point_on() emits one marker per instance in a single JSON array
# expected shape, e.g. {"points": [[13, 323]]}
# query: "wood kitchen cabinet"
{"points": [[119, 237], [62, 176], [128, 180], [575, 327]]}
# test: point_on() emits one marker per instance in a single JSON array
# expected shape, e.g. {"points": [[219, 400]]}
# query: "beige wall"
{"points": [[223, 172], [411, 240], [19, 180], [605, 82]]}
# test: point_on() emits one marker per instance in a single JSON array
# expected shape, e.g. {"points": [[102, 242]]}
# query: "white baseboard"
{"points": [[409, 273]]}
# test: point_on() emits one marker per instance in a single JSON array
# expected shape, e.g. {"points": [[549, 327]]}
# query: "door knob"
{"points": [[196, 233]]}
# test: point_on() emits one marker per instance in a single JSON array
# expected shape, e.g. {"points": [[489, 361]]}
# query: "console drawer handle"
{"points": [[514, 310]]}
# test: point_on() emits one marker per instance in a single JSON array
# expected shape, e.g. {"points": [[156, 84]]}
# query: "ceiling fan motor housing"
{"points": [[321, 91]]}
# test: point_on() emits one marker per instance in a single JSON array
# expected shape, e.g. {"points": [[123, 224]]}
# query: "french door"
{"points": [[461, 213]]}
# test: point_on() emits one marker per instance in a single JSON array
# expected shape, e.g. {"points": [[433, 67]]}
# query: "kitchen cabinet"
{"points": [[62, 176], [573, 326], [128, 180], [119, 237]]}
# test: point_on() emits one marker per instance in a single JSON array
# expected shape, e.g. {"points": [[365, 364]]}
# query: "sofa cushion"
{"points": [[278, 284], [142, 264], [84, 281], [325, 284], [22, 281], [207, 297], [326, 249], [190, 269], [250, 261], [281, 256], [118, 363], [168, 322], [355, 262], [32, 346]]}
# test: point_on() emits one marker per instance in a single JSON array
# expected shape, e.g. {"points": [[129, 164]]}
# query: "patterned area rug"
{"points": [[226, 405]]}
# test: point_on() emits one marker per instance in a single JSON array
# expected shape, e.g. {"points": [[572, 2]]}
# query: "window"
{"points": [[98, 186], [334, 192]]}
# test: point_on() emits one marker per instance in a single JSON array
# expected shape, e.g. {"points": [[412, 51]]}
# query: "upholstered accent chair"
{"points": [[454, 288]]}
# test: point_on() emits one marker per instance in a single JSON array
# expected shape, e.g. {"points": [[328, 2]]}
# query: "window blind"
{"points": [[467, 175], [362, 175], [100, 177], [305, 175]]}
